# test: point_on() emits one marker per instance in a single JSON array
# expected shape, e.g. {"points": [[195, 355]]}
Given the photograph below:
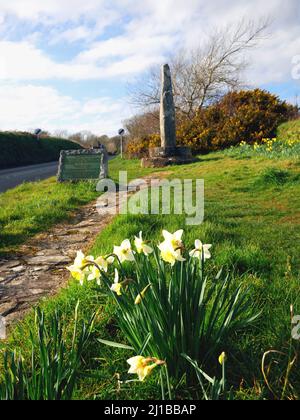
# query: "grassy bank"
{"points": [[252, 219], [289, 131], [18, 149]]}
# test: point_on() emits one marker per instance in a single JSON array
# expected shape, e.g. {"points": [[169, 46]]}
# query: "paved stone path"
{"points": [[38, 269]]}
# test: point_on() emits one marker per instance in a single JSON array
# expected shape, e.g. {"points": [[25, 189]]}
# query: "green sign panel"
{"points": [[76, 165]]}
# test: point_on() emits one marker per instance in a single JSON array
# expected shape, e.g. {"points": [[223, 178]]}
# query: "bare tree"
{"points": [[201, 76], [61, 133], [142, 125]]}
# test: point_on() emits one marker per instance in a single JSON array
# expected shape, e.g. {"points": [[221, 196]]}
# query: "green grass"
{"points": [[35, 207], [289, 131], [17, 149], [252, 219]]}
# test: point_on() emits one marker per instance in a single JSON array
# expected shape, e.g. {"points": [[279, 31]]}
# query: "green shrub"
{"points": [[17, 149]]}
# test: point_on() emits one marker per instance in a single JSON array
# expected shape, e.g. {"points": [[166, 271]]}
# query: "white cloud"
{"points": [[118, 39], [51, 10], [26, 106]]}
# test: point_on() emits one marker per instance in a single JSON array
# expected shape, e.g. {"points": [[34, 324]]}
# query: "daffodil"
{"points": [[141, 245], [173, 238], [77, 270], [171, 247], [117, 286], [222, 358], [101, 264], [124, 252], [201, 251], [77, 274], [169, 255], [141, 295], [143, 366]]}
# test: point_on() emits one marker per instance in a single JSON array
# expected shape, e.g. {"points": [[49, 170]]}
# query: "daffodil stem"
{"points": [[163, 396], [168, 382]]}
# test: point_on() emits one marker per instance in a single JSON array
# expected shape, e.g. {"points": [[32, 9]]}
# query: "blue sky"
{"points": [[67, 64]]}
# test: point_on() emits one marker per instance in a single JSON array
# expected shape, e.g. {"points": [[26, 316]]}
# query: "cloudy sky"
{"points": [[66, 64]]}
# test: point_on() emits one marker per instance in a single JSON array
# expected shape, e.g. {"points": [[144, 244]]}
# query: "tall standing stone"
{"points": [[168, 153], [167, 110]]}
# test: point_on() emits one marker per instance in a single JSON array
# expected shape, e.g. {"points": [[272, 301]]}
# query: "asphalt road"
{"points": [[10, 178]]}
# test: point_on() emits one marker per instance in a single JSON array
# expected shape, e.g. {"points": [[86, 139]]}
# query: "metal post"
{"points": [[121, 139], [121, 133]]}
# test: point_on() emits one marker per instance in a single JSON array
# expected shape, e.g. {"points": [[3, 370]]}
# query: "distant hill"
{"points": [[18, 149]]}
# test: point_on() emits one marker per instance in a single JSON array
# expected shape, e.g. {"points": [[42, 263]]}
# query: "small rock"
{"points": [[18, 269], [10, 264], [73, 239], [48, 260], [45, 268]]}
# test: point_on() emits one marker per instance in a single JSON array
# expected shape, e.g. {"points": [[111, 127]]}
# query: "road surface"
{"points": [[10, 178]]}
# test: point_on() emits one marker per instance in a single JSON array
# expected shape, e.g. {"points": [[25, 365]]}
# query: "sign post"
{"points": [[37, 133], [121, 134]]}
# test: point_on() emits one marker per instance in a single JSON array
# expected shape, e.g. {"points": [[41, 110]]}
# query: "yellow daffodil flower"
{"points": [[141, 245], [201, 251], [124, 252], [116, 287], [143, 366], [141, 295]]}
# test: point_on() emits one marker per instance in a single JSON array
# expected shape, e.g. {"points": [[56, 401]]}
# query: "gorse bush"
{"points": [[53, 369], [167, 307], [138, 148], [247, 116], [244, 116]]}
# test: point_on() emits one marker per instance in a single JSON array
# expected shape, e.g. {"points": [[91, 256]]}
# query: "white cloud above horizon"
{"points": [[46, 43]]}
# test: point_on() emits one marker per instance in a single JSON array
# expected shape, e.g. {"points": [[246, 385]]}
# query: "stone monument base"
{"points": [[164, 156]]}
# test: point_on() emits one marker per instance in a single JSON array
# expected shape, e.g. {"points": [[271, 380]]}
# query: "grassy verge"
{"points": [[252, 219], [34, 207]]}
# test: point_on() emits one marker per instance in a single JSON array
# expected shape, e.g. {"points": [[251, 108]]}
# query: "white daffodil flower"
{"points": [[173, 238], [201, 250], [124, 252], [168, 254], [77, 270], [143, 366], [141, 245], [116, 287], [171, 247]]}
